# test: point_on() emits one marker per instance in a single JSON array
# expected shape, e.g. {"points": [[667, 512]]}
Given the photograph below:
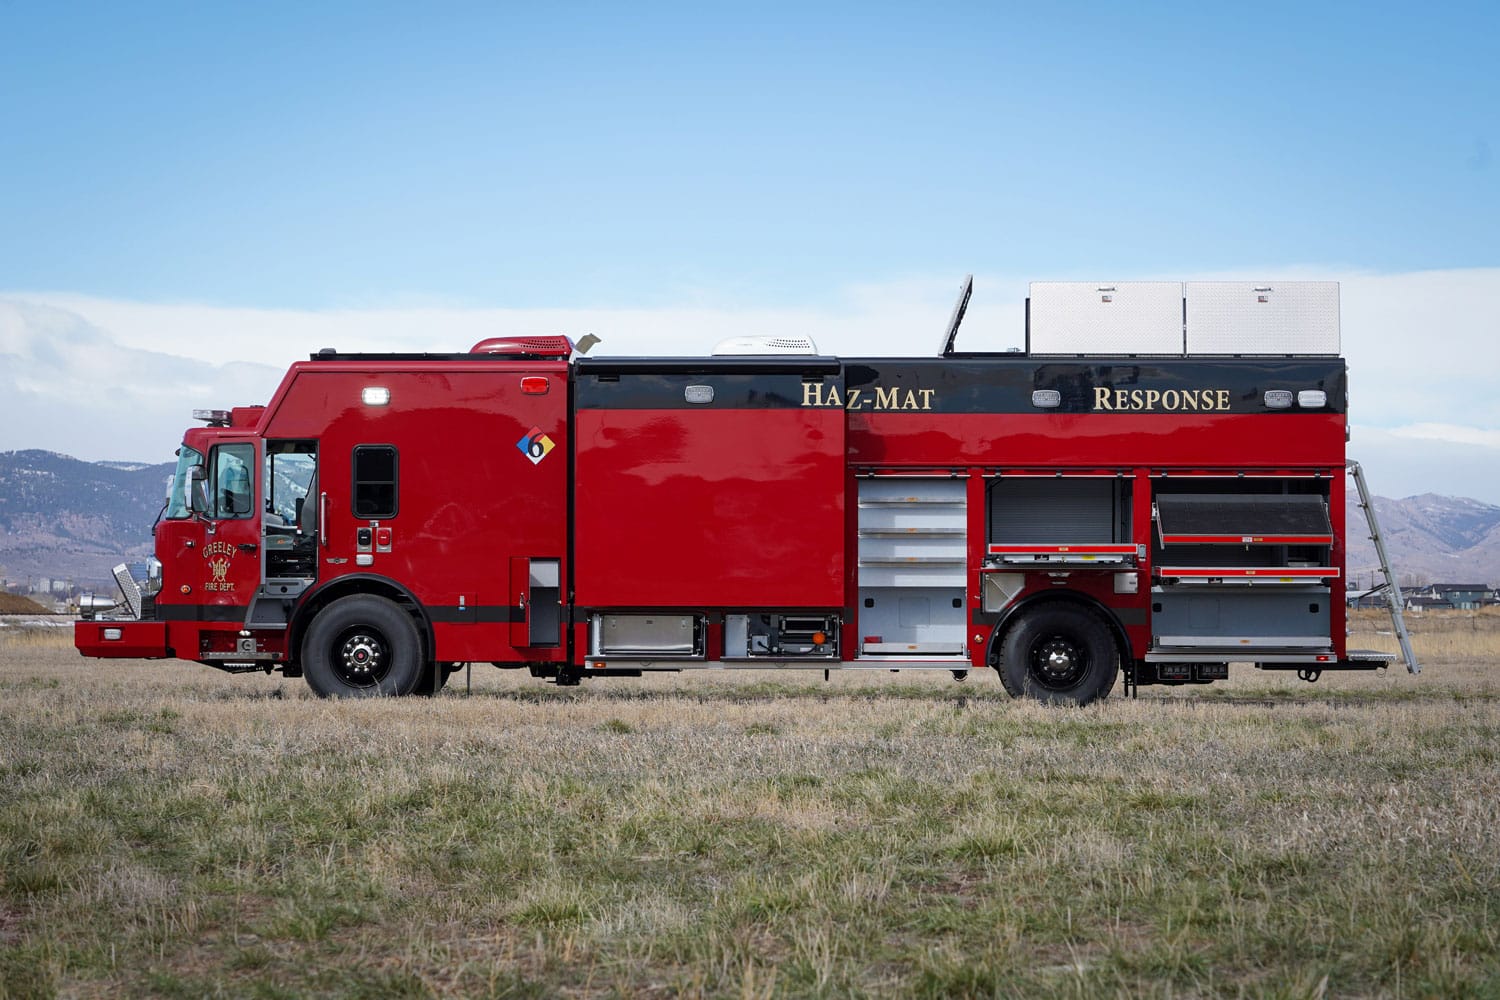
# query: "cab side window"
{"points": [[375, 481], [231, 493]]}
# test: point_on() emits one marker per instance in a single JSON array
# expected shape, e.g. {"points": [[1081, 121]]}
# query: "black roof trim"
{"points": [[776, 364]]}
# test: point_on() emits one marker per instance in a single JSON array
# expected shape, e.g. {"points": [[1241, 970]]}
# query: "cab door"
{"points": [[230, 571]]}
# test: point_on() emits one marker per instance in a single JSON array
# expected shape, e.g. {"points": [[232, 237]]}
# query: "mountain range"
{"points": [[1429, 538], [67, 519]]}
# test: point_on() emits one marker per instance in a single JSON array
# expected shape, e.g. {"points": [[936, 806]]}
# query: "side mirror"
{"points": [[197, 498]]}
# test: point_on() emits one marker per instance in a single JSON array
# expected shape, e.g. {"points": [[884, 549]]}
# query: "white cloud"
{"points": [[902, 318], [1453, 434], [1402, 464], [1423, 351], [68, 386]]}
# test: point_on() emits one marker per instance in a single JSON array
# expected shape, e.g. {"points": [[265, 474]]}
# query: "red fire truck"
{"points": [[1155, 485]]}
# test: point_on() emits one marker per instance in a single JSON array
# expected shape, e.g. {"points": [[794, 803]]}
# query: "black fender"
{"points": [[324, 594], [1014, 611]]}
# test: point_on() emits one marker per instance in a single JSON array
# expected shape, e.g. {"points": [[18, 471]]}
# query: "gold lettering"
{"points": [[834, 399], [812, 393], [1106, 398], [910, 403], [926, 398], [886, 399], [852, 401]]}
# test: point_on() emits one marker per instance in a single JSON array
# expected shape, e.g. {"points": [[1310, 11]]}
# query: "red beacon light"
{"points": [[525, 347]]}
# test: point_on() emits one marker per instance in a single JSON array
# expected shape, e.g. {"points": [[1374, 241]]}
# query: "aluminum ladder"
{"points": [[1391, 588]]}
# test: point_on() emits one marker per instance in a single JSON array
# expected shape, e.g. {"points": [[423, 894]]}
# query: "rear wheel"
{"points": [[1062, 654], [362, 647]]}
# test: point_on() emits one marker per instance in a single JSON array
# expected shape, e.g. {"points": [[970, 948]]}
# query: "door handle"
{"points": [[248, 546]]}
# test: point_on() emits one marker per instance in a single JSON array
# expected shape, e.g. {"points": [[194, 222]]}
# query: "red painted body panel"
{"points": [[1102, 440], [470, 498], [710, 508], [138, 640]]}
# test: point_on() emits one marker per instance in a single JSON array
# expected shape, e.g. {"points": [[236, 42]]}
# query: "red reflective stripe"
{"points": [[1260, 539], [1268, 571], [1085, 549]]}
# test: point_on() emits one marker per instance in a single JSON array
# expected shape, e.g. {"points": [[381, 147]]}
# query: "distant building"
{"points": [[1363, 598], [1463, 596], [1422, 602]]}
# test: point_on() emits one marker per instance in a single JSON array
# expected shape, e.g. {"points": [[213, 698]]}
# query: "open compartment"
{"points": [[913, 553], [1242, 564], [1059, 520]]}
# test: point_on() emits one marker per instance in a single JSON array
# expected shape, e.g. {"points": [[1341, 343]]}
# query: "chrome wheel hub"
{"points": [[362, 655]]}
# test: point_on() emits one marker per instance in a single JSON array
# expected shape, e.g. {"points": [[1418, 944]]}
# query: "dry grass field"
{"points": [[168, 830]]}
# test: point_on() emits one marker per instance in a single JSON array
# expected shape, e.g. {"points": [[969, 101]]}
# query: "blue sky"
{"points": [[826, 164], [531, 155]]}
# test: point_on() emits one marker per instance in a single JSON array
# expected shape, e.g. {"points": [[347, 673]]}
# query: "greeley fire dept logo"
{"points": [[218, 556], [535, 445]]}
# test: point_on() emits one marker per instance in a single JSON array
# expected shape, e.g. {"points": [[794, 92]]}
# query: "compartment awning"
{"points": [[1247, 575], [1241, 519], [1082, 554]]}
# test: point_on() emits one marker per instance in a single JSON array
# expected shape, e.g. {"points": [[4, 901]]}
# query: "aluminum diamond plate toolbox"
{"points": [[1271, 317], [1103, 317]]}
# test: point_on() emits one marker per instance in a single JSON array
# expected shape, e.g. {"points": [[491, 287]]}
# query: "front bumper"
{"points": [[132, 640]]}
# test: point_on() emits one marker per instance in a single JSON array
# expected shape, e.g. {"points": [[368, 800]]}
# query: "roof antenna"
{"points": [[959, 307]]}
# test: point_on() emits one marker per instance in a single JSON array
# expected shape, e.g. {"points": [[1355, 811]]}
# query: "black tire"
{"points": [[1059, 654], [362, 647]]}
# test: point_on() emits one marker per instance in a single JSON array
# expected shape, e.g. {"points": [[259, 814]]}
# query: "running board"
{"points": [[1219, 654], [863, 663], [1392, 589]]}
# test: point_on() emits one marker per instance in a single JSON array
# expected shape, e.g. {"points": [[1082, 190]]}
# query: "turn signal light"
{"points": [[535, 385], [819, 638]]}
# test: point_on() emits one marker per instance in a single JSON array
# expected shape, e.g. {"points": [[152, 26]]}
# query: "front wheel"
{"points": [[362, 647], [1062, 655]]}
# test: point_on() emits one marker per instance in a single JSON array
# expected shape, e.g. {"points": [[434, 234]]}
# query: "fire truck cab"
{"points": [[1154, 486]]}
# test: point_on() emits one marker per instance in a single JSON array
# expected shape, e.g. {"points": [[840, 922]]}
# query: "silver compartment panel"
{"points": [[1269, 317], [1229, 618], [1104, 317], [655, 635]]}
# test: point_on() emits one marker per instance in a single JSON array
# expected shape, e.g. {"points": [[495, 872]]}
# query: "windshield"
{"points": [[177, 507]]}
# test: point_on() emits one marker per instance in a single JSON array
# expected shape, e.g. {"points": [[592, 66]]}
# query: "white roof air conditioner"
{"points": [[767, 344]]}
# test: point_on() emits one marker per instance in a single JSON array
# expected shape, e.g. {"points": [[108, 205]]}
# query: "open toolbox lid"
{"points": [[1242, 519]]}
